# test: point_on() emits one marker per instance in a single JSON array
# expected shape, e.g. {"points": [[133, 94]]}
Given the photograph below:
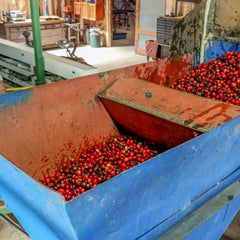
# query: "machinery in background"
{"points": [[13, 16], [68, 10], [67, 44], [17, 66]]}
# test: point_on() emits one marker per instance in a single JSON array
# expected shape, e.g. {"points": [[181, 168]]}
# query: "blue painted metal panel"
{"points": [[219, 222], [217, 47], [188, 208], [40, 211], [135, 203], [15, 97]]}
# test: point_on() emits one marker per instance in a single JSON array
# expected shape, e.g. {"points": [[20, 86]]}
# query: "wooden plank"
{"points": [[169, 7], [3, 6], [41, 7], [154, 34], [108, 22], [233, 231], [137, 25], [59, 5], [183, 8]]}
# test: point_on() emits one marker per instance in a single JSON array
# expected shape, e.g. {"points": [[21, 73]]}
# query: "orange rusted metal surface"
{"points": [[197, 113], [147, 125], [58, 120], [164, 71]]}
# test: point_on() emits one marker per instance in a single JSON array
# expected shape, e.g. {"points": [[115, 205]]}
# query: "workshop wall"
{"points": [[9, 5], [54, 7], [183, 8]]}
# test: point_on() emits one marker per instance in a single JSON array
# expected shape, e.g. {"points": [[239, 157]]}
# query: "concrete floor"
{"points": [[7, 232], [106, 58]]}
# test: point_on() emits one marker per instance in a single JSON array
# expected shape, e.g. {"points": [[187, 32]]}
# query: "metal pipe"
{"points": [[37, 42]]}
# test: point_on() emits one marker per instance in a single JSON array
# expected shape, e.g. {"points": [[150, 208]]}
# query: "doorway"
{"points": [[123, 22]]}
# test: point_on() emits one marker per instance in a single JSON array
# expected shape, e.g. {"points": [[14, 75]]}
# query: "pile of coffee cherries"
{"points": [[217, 79], [100, 163]]}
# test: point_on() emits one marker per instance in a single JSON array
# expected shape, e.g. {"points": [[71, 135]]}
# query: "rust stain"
{"points": [[186, 110], [45, 159], [222, 109]]}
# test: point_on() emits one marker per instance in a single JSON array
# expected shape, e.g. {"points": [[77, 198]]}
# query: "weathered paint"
{"points": [[224, 19], [186, 35], [218, 47], [104, 76], [14, 98], [212, 27], [148, 94], [164, 71]]}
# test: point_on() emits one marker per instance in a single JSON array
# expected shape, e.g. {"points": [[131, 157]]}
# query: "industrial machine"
{"points": [[14, 16], [17, 66], [191, 191]]}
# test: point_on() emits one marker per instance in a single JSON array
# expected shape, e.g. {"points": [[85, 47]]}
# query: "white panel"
{"points": [[150, 10]]}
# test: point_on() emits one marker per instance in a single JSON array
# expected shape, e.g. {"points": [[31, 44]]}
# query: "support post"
{"points": [[37, 42]]}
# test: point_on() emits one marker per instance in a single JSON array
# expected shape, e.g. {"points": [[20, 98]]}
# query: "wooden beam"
{"points": [[108, 22], [41, 7], [154, 34], [137, 24]]}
